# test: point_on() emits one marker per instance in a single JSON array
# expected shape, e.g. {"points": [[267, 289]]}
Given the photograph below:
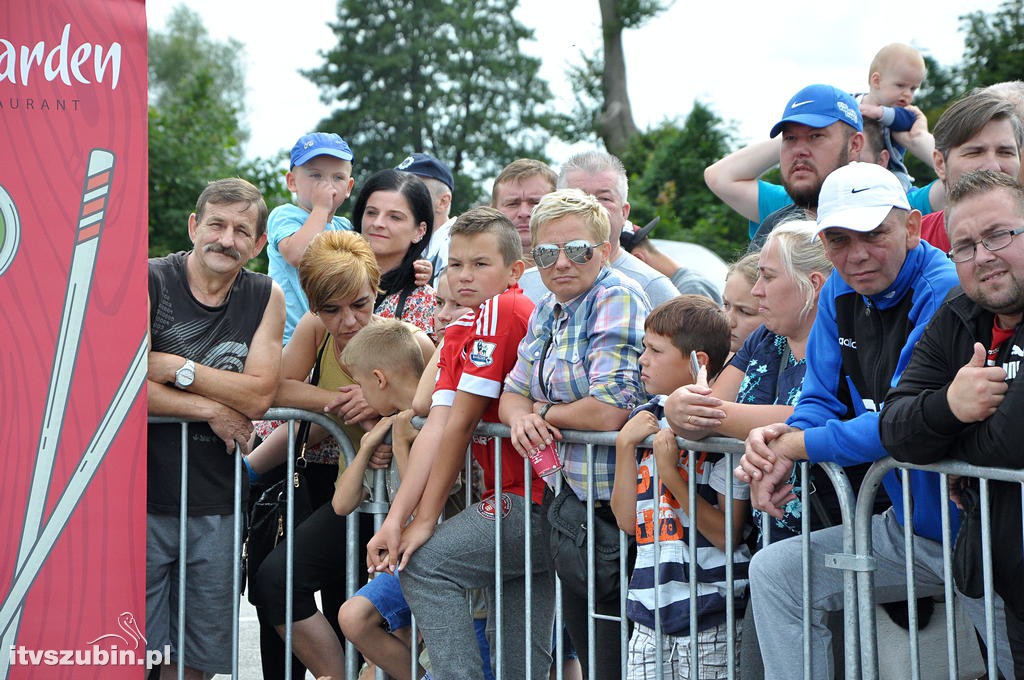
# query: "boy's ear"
{"points": [[289, 181], [381, 378], [515, 271], [702, 359], [875, 80]]}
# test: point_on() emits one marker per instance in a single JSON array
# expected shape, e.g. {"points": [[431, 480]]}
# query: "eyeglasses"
{"points": [[579, 251], [995, 241]]}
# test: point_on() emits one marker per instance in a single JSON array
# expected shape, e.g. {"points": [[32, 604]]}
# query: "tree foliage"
{"points": [[635, 13], [666, 167], [993, 45], [441, 76], [196, 133], [195, 130]]}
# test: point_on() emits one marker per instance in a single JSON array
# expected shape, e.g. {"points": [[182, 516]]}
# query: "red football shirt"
{"points": [[479, 350]]}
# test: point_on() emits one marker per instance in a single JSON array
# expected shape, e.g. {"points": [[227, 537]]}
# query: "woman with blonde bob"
{"points": [[762, 383], [340, 276], [578, 368]]}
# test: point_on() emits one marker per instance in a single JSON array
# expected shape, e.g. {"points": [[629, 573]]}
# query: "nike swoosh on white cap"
{"points": [[799, 104]]}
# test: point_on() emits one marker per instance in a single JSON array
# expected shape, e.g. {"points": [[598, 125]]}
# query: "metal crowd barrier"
{"points": [[856, 561], [290, 415], [869, 487]]}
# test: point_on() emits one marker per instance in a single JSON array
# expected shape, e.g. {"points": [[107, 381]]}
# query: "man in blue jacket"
{"points": [[886, 286]]}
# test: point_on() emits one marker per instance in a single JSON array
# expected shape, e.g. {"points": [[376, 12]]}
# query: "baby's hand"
{"points": [[871, 111]]}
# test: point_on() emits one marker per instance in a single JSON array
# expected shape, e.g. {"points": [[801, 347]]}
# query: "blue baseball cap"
{"points": [[320, 144], [819, 106], [425, 165]]}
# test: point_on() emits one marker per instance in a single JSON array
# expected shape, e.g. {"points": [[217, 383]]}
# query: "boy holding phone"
{"points": [[685, 340]]}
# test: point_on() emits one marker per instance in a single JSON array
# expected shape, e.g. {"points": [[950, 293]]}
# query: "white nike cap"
{"points": [[858, 196]]}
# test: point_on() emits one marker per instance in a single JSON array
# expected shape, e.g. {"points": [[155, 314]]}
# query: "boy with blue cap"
{"points": [[320, 177]]}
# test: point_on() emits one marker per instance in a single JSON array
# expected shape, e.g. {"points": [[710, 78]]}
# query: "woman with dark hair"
{"points": [[396, 216]]}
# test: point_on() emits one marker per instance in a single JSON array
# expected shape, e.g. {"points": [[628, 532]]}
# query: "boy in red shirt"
{"points": [[439, 563]]}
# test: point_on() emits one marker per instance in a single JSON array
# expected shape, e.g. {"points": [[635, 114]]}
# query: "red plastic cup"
{"points": [[545, 461]]}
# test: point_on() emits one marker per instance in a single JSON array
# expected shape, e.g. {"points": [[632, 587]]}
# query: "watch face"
{"points": [[184, 376]]}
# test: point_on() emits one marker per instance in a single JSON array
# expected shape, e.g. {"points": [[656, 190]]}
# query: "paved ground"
{"points": [[249, 646]]}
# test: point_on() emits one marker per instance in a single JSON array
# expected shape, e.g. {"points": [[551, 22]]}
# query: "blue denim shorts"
{"points": [[385, 594]]}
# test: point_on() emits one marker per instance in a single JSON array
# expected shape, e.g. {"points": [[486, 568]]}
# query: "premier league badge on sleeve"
{"points": [[482, 353]]}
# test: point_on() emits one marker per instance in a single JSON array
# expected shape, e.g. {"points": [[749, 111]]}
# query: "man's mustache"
{"points": [[218, 248]]}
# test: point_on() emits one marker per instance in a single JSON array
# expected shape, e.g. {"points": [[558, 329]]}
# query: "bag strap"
{"points": [[314, 377]]}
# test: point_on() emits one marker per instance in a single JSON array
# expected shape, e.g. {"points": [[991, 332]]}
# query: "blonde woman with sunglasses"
{"points": [[578, 368]]}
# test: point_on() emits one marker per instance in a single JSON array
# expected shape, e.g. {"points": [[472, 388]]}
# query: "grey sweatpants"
{"points": [[460, 556], [776, 595]]}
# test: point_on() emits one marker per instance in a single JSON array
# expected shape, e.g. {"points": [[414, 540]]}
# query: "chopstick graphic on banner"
{"points": [[41, 547], [10, 230], [91, 216]]}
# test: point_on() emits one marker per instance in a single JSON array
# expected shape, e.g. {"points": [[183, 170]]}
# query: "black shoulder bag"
{"points": [[269, 515]]}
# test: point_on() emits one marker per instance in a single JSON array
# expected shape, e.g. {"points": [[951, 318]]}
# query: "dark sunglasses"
{"points": [[579, 251]]}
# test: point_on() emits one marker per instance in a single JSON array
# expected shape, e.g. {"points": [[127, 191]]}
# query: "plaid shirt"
{"points": [[589, 346]]}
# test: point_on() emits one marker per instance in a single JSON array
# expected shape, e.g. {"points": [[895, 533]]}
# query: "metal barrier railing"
{"points": [[290, 415], [856, 561], [869, 487]]}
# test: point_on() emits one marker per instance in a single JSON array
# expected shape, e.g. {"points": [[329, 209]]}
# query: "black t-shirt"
{"points": [[217, 337]]}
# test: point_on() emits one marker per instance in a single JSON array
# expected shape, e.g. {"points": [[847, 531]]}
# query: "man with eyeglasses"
{"points": [[979, 132], [886, 286], [603, 176], [958, 397]]}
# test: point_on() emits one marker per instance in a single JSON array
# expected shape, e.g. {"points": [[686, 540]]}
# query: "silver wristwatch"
{"points": [[186, 375]]}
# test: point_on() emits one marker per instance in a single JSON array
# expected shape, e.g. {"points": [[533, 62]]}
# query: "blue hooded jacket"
{"points": [[858, 348]]}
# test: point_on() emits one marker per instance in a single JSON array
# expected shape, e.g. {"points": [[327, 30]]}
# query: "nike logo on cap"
{"points": [[799, 104], [857, 191]]}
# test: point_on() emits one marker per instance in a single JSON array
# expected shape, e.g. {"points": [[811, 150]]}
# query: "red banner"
{"points": [[73, 247]]}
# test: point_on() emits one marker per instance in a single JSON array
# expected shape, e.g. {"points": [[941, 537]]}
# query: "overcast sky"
{"points": [[745, 59]]}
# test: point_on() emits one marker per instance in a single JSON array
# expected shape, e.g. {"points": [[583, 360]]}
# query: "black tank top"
{"points": [[217, 337]]}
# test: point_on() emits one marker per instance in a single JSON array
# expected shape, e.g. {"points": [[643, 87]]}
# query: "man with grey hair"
{"points": [[979, 132], [603, 176], [215, 358]]}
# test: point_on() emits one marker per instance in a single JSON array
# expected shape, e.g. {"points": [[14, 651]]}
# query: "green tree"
{"points": [[993, 45], [441, 76], [602, 107], [666, 167], [196, 130]]}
